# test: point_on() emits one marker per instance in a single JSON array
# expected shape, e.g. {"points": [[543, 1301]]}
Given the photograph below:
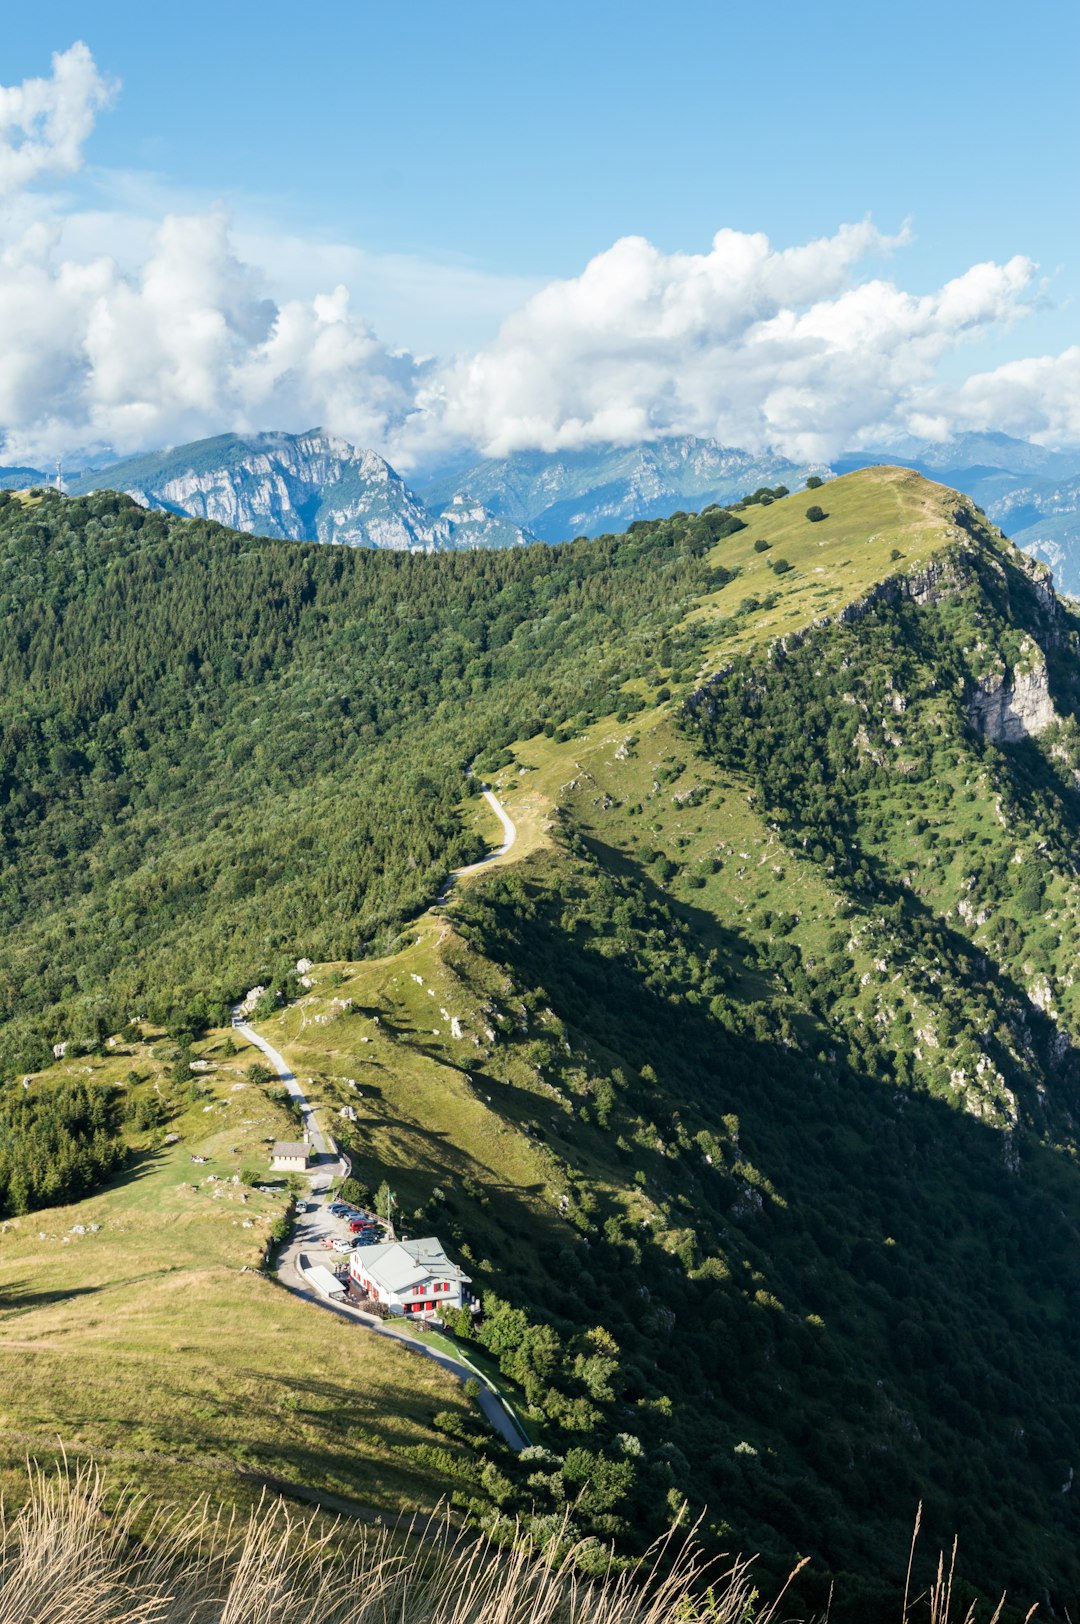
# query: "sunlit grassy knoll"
{"points": [[433, 1109], [154, 1342], [870, 515]]}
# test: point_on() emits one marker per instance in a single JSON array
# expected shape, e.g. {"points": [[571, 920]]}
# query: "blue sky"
{"points": [[500, 147]]}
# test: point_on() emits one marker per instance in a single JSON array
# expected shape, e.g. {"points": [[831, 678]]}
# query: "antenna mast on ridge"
{"points": [[60, 475]]}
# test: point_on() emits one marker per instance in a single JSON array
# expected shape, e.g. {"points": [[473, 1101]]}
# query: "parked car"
{"points": [[341, 1246]]}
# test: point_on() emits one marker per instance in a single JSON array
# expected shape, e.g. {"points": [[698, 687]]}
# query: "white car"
{"points": [[342, 1246]]}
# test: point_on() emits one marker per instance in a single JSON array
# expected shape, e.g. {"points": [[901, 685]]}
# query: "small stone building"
{"points": [[289, 1156]]}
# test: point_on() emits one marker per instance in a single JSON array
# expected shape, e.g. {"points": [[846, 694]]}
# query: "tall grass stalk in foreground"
{"points": [[937, 1604], [66, 1559]]}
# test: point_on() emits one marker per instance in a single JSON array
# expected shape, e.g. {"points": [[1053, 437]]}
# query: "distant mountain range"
{"points": [[558, 495], [318, 487], [1031, 492], [302, 487]]}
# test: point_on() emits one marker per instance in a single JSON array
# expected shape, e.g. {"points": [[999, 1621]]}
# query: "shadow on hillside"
{"points": [[906, 1281], [302, 1407], [711, 932], [137, 1167], [931, 933], [440, 1157], [18, 1297]]}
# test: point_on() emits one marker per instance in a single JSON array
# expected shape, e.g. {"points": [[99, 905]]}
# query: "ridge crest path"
{"points": [[310, 1226], [509, 829]]}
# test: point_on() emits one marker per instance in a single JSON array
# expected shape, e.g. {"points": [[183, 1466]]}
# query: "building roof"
{"points": [[288, 1148], [321, 1278], [397, 1265]]}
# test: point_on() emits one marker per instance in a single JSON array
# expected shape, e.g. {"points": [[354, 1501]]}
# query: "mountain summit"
{"points": [[299, 487]]}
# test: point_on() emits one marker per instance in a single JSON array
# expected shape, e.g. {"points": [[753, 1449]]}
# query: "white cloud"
{"points": [[745, 343], [1037, 398], [187, 345], [175, 333], [44, 123]]}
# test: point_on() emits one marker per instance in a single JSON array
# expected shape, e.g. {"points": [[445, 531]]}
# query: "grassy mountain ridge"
{"points": [[192, 718], [766, 1081]]}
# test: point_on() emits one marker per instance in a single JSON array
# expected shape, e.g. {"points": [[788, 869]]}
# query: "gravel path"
{"points": [[305, 1245], [509, 829]]}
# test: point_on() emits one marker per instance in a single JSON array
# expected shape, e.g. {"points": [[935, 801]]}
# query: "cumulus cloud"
{"points": [[44, 123], [186, 343], [795, 348], [190, 345], [752, 345], [1037, 398]]}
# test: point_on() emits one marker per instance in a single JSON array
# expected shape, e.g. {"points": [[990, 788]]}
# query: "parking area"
{"points": [[328, 1232]]}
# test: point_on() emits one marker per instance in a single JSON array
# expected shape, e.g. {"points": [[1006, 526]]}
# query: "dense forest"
{"points": [[218, 753], [57, 1146]]}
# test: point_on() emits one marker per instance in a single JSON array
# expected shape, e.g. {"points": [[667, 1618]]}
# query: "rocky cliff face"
{"points": [[1007, 703], [303, 487], [1006, 709]]}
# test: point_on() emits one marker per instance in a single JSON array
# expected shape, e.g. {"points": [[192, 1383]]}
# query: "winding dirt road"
{"points": [[305, 1246], [509, 829]]}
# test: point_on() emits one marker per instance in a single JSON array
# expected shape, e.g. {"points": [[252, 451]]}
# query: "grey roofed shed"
{"points": [[289, 1153]]}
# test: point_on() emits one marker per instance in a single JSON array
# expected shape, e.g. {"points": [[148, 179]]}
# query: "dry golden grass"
{"points": [[936, 1604], [66, 1558]]}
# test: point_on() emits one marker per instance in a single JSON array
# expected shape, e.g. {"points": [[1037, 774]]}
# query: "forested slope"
{"points": [[760, 1133], [217, 754]]}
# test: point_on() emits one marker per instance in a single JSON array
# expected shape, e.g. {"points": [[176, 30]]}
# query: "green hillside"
{"points": [[138, 1330], [745, 1085], [193, 723]]}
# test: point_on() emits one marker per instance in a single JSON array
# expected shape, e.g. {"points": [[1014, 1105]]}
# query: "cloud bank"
{"points": [[792, 348], [44, 123], [751, 345]]}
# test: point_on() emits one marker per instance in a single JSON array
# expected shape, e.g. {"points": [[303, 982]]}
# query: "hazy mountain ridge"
{"points": [[298, 487], [605, 488]]}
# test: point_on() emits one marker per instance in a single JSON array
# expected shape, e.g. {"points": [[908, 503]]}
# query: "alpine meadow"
{"points": [[750, 1096], [539, 814]]}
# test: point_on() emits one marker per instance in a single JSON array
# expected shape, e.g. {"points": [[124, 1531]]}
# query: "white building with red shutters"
{"points": [[409, 1277]]}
